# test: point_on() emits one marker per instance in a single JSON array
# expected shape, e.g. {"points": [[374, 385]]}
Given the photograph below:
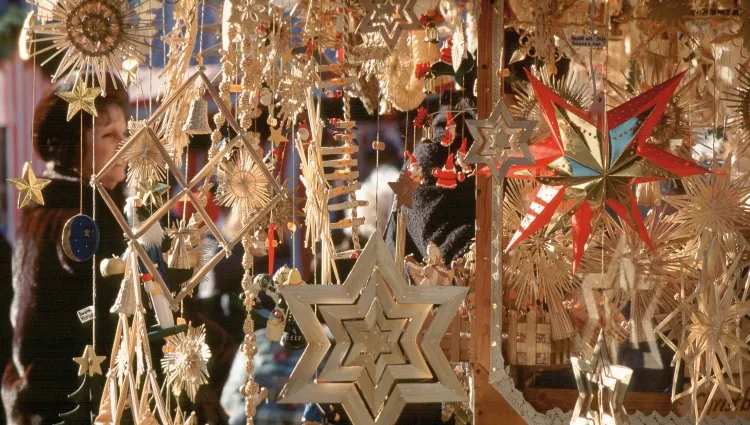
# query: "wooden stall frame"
{"points": [[496, 399]]}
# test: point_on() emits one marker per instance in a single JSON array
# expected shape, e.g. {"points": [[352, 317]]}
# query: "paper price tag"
{"points": [[86, 314], [585, 40]]}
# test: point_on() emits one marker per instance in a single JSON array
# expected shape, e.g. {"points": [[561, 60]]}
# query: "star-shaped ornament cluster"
{"points": [[29, 186], [591, 161], [377, 363]]}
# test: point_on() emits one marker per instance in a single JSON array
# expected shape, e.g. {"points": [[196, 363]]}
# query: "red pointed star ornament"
{"points": [[582, 168]]}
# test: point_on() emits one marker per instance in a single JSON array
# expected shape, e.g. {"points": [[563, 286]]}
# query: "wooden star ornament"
{"points": [[80, 98], [404, 189], [377, 313], [89, 362], [29, 187], [498, 139], [598, 376], [276, 137]]}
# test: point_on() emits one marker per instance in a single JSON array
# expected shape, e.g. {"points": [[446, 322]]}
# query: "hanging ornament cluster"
{"points": [[625, 208]]}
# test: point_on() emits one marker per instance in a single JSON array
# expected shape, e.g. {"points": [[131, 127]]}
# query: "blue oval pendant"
{"points": [[80, 238]]}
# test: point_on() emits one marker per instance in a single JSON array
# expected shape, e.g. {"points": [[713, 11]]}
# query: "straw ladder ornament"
{"points": [[343, 160], [320, 190]]}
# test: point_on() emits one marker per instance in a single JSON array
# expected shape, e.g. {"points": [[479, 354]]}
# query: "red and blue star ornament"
{"points": [[583, 166], [450, 130], [448, 177], [80, 237]]}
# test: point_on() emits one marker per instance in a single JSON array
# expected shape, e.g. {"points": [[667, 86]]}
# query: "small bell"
{"points": [[275, 325], [429, 84], [197, 120], [431, 34], [428, 134], [292, 339]]}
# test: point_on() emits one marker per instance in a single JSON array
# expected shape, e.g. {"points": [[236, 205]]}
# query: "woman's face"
{"points": [[110, 128]]}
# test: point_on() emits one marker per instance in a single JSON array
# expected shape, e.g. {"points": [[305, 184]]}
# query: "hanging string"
{"points": [[93, 216], [294, 192], [406, 134], [377, 164], [80, 166], [33, 99], [202, 7], [591, 46]]}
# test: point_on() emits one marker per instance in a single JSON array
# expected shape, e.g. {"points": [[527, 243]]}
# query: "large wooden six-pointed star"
{"points": [[591, 161], [374, 299]]}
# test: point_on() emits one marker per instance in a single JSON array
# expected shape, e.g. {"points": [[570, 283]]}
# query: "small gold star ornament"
{"points": [[29, 187], [276, 137], [81, 98], [89, 362]]}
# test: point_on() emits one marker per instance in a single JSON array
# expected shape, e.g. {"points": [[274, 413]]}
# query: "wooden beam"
{"points": [[489, 406], [544, 399]]}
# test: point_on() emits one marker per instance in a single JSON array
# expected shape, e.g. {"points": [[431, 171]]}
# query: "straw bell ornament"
{"points": [[429, 84], [197, 120]]}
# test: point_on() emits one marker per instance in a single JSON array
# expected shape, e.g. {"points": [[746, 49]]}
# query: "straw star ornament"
{"points": [[714, 210], [709, 343], [96, 35], [243, 184], [185, 361]]}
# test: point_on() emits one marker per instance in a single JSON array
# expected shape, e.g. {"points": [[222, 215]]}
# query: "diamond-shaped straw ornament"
{"points": [[186, 186]]}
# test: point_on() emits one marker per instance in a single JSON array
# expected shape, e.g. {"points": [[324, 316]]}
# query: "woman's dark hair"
{"points": [[58, 140]]}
